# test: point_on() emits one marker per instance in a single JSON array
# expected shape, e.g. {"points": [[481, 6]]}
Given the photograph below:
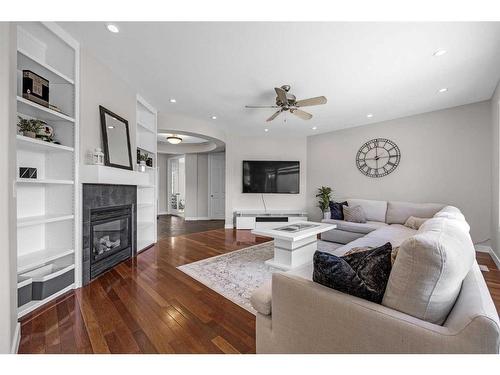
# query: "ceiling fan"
{"points": [[288, 102]]}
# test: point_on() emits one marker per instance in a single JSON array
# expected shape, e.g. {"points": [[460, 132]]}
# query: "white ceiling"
{"points": [[162, 137], [382, 68]]}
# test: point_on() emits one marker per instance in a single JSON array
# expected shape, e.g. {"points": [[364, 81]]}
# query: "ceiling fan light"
{"points": [[173, 139]]}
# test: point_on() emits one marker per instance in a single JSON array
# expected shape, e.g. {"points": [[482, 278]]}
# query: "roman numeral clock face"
{"points": [[378, 157]]}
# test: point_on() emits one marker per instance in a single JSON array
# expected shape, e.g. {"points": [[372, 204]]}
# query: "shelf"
{"points": [[44, 181], [43, 219], [145, 127], [32, 260], [40, 112], [33, 144], [33, 305], [25, 61]]}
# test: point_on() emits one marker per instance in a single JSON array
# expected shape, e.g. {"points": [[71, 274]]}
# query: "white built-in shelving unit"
{"points": [[48, 205], [147, 195]]}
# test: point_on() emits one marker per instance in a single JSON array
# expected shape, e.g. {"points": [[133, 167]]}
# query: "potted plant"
{"points": [[325, 196], [29, 127]]}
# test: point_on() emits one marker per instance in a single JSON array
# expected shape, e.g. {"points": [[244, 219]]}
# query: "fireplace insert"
{"points": [[110, 237]]}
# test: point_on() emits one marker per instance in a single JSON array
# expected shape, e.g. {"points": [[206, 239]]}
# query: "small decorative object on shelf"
{"points": [[35, 88], [98, 157], [149, 161], [142, 161], [27, 172], [29, 127]]}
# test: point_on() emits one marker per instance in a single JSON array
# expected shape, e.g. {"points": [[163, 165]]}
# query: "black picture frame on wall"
{"points": [[114, 129]]}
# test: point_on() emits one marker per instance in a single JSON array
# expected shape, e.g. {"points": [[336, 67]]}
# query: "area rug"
{"points": [[237, 274]]}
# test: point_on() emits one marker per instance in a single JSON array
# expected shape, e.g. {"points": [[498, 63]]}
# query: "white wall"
{"points": [[8, 252], [100, 86], [163, 183], [196, 186], [495, 170], [266, 147], [445, 158]]}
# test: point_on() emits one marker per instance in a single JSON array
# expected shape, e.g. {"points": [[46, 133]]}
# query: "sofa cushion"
{"points": [[399, 212], [374, 210], [262, 297], [354, 214], [428, 272], [363, 274], [348, 226], [395, 234], [336, 211]]}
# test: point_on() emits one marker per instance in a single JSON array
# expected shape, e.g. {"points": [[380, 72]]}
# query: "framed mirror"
{"points": [[116, 139]]}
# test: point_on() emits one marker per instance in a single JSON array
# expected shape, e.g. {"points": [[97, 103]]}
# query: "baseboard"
{"points": [[163, 213], [196, 218], [229, 226], [489, 250], [16, 339]]}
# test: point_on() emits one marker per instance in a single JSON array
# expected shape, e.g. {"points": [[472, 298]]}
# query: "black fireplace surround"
{"points": [[109, 227]]}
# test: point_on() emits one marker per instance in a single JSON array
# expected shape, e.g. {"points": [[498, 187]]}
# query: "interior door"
{"points": [[217, 185]]}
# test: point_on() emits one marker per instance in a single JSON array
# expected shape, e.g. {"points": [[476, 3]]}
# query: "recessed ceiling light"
{"points": [[111, 127], [173, 139], [112, 28], [439, 52], [314, 127], [172, 100], [444, 89], [214, 117], [266, 130], [369, 115]]}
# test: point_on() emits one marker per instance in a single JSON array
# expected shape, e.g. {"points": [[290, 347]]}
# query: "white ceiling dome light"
{"points": [[174, 139], [112, 28]]}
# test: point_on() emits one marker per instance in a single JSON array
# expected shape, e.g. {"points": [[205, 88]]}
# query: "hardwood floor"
{"points": [[146, 305], [172, 226]]}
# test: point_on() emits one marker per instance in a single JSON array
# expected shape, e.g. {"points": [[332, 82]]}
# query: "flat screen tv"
{"points": [[276, 177]]}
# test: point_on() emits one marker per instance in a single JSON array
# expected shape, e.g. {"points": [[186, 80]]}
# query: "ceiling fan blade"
{"points": [[262, 106], [311, 101], [301, 114], [275, 114], [281, 95]]}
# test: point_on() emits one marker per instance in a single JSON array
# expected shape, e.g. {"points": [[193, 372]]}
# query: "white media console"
{"points": [[252, 219]]}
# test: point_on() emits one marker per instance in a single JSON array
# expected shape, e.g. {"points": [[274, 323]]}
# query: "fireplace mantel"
{"points": [[99, 174]]}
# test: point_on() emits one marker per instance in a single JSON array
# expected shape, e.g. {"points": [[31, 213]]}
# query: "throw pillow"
{"points": [[360, 249], [354, 214], [415, 222], [394, 254], [336, 210], [363, 274]]}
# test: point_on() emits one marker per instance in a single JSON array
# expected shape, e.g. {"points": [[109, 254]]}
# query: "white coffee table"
{"points": [[294, 248]]}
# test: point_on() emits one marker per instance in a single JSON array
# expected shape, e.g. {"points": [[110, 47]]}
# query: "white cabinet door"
{"points": [[217, 185]]}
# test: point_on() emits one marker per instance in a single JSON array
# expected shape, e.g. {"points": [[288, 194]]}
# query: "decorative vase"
{"points": [[29, 134], [326, 215], [98, 157], [142, 166]]}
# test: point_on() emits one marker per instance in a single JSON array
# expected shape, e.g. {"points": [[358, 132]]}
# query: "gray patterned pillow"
{"points": [[354, 214]]}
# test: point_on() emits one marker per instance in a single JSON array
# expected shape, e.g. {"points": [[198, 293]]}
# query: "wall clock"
{"points": [[378, 157]]}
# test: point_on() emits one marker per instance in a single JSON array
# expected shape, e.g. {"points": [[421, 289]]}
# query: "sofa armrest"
{"points": [[310, 318]]}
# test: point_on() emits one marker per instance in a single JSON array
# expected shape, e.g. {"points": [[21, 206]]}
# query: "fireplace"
{"points": [[109, 232], [110, 236]]}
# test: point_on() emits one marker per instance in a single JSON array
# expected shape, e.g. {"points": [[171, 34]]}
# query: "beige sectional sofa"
{"points": [[436, 300]]}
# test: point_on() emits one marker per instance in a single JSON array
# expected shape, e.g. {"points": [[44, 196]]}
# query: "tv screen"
{"points": [[279, 177]]}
